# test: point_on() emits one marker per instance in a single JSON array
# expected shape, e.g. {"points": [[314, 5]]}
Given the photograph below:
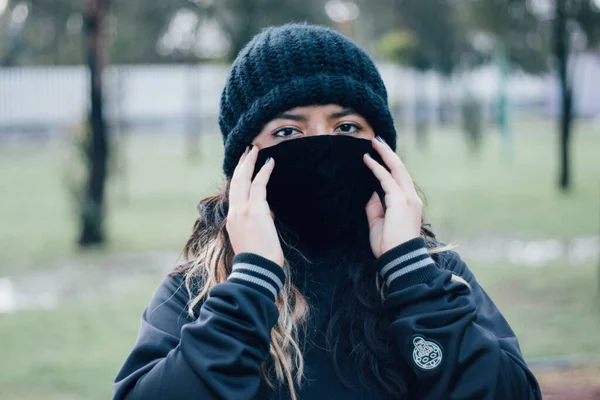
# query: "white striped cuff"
{"points": [[408, 257], [259, 273]]}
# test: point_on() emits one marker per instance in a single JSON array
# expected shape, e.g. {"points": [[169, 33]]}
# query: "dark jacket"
{"points": [[451, 334]]}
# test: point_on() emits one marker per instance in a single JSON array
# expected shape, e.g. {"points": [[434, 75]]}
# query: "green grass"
{"points": [[152, 202], [553, 310], [74, 352], [512, 195]]}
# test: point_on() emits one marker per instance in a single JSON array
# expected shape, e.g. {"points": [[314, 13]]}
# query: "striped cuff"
{"points": [[406, 265], [258, 273]]}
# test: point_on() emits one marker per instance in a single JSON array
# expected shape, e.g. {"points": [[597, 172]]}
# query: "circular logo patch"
{"points": [[427, 354]]}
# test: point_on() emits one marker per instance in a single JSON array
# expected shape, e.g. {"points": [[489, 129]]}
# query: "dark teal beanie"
{"points": [[298, 65]]}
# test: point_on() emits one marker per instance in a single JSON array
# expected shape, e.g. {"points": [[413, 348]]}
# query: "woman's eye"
{"points": [[348, 128], [286, 132]]}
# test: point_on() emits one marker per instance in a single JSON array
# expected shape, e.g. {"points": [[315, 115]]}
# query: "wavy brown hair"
{"points": [[209, 254]]}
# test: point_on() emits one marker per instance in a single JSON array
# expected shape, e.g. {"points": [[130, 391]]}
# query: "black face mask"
{"points": [[320, 187]]}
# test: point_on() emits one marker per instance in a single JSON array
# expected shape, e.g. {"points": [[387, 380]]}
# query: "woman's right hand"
{"points": [[250, 223]]}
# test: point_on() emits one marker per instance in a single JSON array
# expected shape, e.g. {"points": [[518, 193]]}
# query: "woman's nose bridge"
{"points": [[321, 127]]}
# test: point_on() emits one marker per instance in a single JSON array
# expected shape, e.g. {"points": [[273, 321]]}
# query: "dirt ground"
{"points": [[572, 384]]}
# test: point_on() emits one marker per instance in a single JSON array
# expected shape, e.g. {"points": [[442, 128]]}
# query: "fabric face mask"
{"points": [[320, 187]]}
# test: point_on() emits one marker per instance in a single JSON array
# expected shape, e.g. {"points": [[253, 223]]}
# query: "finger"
{"points": [[247, 166], [240, 161], [243, 157], [234, 187], [396, 166], [388, 183], [258, 190], [374, 209], [239, 190]]}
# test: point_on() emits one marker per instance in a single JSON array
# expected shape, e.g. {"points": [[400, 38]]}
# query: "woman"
{"points": [[311, 275]]}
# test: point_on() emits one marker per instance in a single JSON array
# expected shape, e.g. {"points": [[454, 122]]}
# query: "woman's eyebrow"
{"points": [[293, 117], [343, 113]]}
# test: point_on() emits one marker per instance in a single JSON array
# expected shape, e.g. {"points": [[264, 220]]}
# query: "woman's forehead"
{"points": [[329, 111], [318, 107]]}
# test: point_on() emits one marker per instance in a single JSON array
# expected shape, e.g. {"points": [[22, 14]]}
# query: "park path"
{"points": [[581, 383], [77, 280], [111, 275]]}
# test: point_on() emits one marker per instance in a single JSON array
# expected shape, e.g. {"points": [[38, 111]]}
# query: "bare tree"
{"points": [[561, 49], [92, 210]]}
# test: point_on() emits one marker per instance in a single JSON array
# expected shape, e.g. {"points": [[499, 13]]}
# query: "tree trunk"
{"points": [[566, 110], [92, 211]]}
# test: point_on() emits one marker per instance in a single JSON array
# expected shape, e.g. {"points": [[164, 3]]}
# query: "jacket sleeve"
{"points": [[450, 334], [216, 356]]}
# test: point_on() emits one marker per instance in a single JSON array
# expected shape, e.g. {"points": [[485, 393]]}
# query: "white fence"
{"points": [[159, 97], [57, 97]]}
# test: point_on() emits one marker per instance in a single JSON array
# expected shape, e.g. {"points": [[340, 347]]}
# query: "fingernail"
{"points": [[368, 155], [380, 139], [268, 160]]}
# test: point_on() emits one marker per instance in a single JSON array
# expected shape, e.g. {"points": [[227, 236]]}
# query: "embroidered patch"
{"points": [[427, 354]]}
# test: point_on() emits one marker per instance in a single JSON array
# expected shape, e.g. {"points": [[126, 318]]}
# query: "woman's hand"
{"points": [[401, 220], [249, 221]]}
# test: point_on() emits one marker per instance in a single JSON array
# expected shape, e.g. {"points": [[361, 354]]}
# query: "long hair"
{"points": [[358, 329]]}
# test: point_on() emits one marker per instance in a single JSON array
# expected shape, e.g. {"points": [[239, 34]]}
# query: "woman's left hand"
{"points": [[401, 220]]}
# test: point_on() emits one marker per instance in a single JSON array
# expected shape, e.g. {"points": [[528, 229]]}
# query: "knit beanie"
{"points": [[298, 65]]}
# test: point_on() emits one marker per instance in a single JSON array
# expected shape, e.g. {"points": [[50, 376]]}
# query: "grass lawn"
{"points": [[69, 353], [74, 352], [152, 203], [554, 310]]}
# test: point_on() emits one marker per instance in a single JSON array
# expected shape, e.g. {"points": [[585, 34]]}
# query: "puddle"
{"points": [[115, 274], [537, 253], [82, 281]]}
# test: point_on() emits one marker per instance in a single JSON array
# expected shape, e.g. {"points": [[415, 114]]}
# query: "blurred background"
{"points": [[109, 138]]}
